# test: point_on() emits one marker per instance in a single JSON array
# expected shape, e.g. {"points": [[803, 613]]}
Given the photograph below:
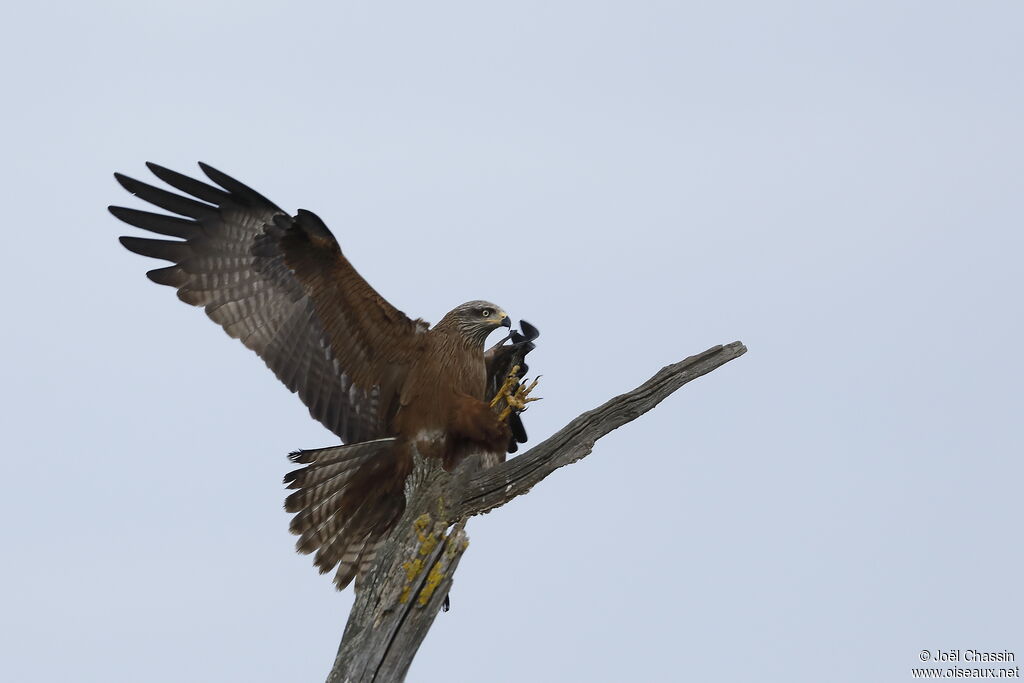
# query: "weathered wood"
{"points": [[488, 489], [397, 601]]}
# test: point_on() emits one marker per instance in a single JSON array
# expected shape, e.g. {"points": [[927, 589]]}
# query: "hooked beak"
{"points": [[505, 320]]}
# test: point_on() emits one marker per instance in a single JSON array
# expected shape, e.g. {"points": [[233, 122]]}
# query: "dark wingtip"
{"points": [[157, 169], [217, 175], [165, 250], [239, 191], [125, 181], [171, 276], [293, 504], [298, 456]]}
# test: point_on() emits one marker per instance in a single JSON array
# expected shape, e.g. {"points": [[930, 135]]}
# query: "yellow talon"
{"points": [[511, 380], [517, 400]]}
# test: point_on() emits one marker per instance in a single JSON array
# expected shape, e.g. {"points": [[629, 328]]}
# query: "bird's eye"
{"points": [[486, 312]]}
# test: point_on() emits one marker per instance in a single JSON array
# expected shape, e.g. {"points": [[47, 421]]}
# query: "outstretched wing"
{"points": [[281, 285]]}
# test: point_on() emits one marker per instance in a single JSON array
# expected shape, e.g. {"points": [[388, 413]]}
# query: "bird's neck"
{"points": [[451, 340]]}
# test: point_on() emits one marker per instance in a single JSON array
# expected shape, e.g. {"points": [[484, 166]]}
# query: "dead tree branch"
{"points": [[397, 601], [494, 487]]}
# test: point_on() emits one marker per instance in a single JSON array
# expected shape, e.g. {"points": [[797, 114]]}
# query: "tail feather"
{"points": [[367, 525], [349, 563], [316, 523], [325, 463], [359, 567], [366, 559], [347, 499], [332, 454], [338, 530]]}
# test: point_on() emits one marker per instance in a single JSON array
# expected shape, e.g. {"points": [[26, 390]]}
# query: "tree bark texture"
{"points": [[398, 599]]}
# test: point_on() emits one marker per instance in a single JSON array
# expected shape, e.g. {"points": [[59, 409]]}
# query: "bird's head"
{"points": [[474, 320]]}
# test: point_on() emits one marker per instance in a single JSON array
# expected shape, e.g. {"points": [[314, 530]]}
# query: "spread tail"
{"points": [[347, 499]]}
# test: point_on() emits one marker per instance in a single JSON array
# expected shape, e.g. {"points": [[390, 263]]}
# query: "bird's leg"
{"points": [[515, 394], [511, 382]]}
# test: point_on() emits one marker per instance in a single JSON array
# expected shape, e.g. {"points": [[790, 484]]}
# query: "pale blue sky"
{"points": [[838, 185]]}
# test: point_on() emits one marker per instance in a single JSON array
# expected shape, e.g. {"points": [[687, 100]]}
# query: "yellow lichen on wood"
{"points": [[453, 546], [428, 540], [428, 544], [429, 534], [433, 581], [421, 524], [412, 568]]}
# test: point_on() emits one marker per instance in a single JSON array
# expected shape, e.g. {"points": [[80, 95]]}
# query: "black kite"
{"points": [[385, 384]]}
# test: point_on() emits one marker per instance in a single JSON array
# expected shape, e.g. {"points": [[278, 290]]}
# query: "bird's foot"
{"points": [[515, 394], [511, 382]]}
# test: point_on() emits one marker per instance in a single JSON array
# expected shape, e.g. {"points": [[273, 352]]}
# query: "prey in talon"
{"points": [[506, 363]]}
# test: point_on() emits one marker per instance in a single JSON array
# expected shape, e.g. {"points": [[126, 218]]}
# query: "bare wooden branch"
{"points": [[397, 601], [488, 489]]}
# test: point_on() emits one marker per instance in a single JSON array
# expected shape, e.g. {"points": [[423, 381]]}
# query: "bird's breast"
{"points": [[433, 388]]}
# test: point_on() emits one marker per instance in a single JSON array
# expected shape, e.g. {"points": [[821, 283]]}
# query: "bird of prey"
{"points": [[386, 385]]}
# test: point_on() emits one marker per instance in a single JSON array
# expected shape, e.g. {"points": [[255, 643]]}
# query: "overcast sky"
{"points": [[837, 185]]}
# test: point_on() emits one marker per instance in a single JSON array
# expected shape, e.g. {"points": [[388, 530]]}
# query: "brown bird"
{"points": [[387, 385]]}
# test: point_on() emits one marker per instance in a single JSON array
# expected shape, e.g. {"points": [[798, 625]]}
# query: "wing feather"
{"points": [[161, 224], [168, 201], [196, 188], [281, 285]]}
